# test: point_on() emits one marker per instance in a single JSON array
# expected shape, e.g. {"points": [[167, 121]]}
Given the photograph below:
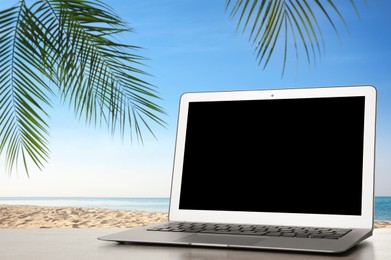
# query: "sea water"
{"points": [[147, 204], [382, 204], [382, 208]]}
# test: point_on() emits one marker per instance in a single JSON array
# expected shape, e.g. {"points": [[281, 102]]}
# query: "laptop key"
{"points": [[316, 236], [288, 235], [273, 234], [302, 235]]}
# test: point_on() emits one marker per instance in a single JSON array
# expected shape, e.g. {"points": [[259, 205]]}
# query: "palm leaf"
{"points": [[292, 20], [84, 28], [68, 45], [24, 96]]}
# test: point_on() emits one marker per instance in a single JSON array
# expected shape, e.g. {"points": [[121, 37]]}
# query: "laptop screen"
{"points": [[301, 155]]}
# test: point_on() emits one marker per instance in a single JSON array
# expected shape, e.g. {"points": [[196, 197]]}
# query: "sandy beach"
{"points": [[13, 216]]}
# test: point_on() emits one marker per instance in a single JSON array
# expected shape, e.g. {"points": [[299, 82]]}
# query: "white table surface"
{"points": [[58, 244]]}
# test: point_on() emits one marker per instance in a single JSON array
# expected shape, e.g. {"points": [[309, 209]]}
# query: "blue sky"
{"points": [[193, 46]]}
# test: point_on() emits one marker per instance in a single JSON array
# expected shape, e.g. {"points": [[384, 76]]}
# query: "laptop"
{"points": [[279, 169]]}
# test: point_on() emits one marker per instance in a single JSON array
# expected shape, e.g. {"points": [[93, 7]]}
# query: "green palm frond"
{"points": [[292, 20], [23, 94], [105, 81], [67, 47]]}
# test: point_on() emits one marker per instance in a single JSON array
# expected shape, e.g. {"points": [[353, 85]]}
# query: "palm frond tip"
{"points": [[294, 21]]}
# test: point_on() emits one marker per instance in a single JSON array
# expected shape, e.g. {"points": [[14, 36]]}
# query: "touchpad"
{"points": [[220, 239]]}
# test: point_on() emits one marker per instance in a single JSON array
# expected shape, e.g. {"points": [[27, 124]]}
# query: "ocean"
{"points": [[147, 204], [383, 208], [382, 204]]}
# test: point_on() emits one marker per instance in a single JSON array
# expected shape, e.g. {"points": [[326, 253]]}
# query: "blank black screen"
{"points": [[287, 155]]}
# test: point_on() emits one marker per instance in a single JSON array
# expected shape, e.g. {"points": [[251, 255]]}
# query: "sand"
{"points": [[15, 216], [382, 223], [12, 216]]}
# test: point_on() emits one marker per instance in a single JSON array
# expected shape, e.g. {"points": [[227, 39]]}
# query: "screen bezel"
{"points": [[292, 219]]}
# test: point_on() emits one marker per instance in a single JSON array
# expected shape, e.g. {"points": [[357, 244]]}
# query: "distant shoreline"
{"points": [[151, 204], [28, 216]]}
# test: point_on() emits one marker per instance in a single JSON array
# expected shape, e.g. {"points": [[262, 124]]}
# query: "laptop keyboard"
{"points": [[253, 230]]}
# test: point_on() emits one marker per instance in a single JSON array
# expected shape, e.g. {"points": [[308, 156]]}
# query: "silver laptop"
{"points": [[284, 169]]}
